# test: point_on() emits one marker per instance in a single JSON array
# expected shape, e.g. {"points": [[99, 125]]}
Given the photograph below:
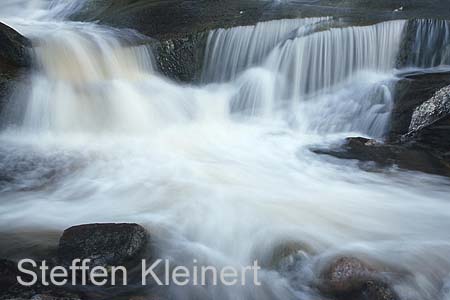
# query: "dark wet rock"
{"points": [[14, 48], [165, 20], [11, 289], [14, 58], [8, 273], [37, 292], [104, 244], [175, 18], [182, 58], [351, 278], [346, 275], [409, 156], [411, 92]]}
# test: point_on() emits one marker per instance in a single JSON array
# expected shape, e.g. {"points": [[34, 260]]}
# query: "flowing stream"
{"points": [[222, 171]]}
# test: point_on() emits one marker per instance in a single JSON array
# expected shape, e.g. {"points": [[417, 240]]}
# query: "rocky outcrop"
{"points": [[420, 128], [411, 91], [14, 58], [431, 111], [351, 278], [104, 244], [408, 156], [430, 125]]}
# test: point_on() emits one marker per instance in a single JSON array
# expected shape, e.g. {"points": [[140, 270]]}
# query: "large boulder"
{"points": [[351, 278], [104, 244]]}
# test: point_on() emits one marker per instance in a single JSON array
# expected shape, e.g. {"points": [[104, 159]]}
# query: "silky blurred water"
{"points": [[222, 172]]}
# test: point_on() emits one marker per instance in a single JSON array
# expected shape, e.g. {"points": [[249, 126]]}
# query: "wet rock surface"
{"points": [[179, 24], [351, 278], [431, 111], [175, 18], [411, 91], [430, 124], [11, 289], [14, 58], [407, 156], [104, 244], [182, 58], [14, 48]]}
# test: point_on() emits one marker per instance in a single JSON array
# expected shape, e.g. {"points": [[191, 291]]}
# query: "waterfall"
{"points": [[429, 44], [222, 172], [230, 51], [333, 80], [80, 79], [323, 60]]}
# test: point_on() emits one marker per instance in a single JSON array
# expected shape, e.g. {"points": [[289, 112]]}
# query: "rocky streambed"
{"points": [[127, 245]]}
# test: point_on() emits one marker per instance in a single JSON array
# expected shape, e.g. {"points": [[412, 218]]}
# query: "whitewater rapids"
{"points": [[222, 171]]}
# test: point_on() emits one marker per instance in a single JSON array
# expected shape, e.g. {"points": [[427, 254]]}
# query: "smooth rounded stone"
{"points": [[346, 274], [432, 110], [104, 244], [351, 277]]}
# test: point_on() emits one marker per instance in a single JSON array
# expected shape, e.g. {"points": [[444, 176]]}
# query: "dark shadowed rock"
{"points": [[409, 156], [11, 289], [182, 58], [351, 278], [430, 125], [104, 244], [14, 58], [432, 110], [411, 92], [8, 273], [14, 48]]}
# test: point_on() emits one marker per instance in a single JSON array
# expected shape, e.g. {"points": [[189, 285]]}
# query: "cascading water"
{"points": [[430, 44], [223, 172], [231, 51]]}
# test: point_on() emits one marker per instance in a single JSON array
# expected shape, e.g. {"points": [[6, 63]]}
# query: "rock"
{"points": [[14, 58], [14, 48], [351, 278], [411, 91], [430, 125], [407, 156], [182, 59], [174, 19], [346, 275], [432, 110], [11, 289], [8, 274], [104, 244]]}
